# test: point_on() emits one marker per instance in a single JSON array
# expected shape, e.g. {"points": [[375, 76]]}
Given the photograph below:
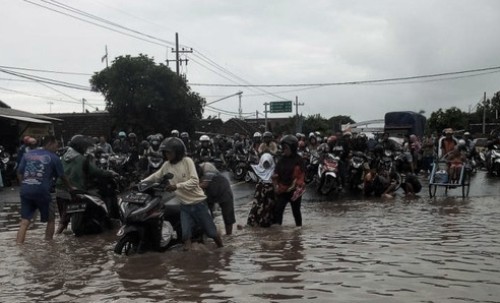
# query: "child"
{"points": [[263, 204], [455, 161]]}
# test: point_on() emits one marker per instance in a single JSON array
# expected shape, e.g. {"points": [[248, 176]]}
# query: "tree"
{"points": [[314, 123], [147, 98], [336, 122], [452, 117]]}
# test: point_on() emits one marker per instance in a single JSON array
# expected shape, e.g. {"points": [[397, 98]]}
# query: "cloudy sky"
{"points": [[278, 42]]}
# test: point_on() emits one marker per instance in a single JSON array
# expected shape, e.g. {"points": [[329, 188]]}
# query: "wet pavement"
{"points": [[350, 249]]}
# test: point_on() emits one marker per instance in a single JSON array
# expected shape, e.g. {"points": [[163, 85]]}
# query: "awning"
{"points": [[26, 119]]}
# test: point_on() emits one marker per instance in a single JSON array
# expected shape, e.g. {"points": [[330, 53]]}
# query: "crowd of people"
{"points": [[281, 166]]}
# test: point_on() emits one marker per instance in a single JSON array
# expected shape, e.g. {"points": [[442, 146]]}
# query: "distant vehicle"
{"points": [[402, 124]]}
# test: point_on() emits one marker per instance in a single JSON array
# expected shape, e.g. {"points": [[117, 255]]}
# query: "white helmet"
{"points": [[257, 135], [204, 138], [461, 142]]}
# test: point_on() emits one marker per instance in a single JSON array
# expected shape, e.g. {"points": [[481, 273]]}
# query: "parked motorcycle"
{"points": [[91, 212], [150, 219]]}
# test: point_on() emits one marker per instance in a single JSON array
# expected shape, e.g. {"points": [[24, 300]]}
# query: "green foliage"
{"points": [[147, 98], [452, 117], [314, 123], [336, 122]]}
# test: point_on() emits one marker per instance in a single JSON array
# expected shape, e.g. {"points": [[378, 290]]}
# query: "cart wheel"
{"points": [[466, 185], [432, 190]]}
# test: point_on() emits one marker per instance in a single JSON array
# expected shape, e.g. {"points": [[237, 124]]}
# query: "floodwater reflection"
{"points": [[350, 249]]}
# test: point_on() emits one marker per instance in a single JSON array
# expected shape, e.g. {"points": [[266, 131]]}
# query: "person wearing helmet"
{"points": [[174, 133], [312, 142], [36, 174], [120, 145], [268, 145], [186, 186], [288, 180], [190, 148], [81, 171], [205, 151]]}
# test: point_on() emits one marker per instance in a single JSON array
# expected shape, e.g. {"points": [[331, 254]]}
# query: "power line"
{"points": [[96, 24], [45, 80], [102, 20], [45, 71], [373, 81]]}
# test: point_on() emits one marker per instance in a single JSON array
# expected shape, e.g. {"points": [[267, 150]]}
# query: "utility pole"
{"points": [[265, 115], [83, 105], [240, 110], [484, 113], [50, 106], [177, 52], [298, 127]]}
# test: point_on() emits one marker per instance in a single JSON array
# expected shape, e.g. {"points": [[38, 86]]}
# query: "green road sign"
{"points": [[280, 107]]}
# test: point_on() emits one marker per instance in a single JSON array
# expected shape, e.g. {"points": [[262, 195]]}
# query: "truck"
{"points": [[404, 123]]}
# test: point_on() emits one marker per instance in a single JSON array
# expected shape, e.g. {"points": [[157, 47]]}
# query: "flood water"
{"points": [[350, 249]]}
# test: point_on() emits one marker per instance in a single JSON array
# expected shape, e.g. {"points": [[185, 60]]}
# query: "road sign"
{"points": [[280, 107]]}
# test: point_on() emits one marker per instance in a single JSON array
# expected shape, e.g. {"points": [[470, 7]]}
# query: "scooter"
{"points": [[150, 219], [493, 160], [327, 177], [356, 167], [92, 211]]}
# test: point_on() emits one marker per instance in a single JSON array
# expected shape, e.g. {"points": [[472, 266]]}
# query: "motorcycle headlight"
{"points": [[102, 161]]}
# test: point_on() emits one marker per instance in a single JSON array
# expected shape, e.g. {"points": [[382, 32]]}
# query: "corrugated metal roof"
{"points": [[9, 112]]}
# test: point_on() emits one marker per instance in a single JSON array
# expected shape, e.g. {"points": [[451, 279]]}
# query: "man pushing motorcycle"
{"points": [[185, 184]]}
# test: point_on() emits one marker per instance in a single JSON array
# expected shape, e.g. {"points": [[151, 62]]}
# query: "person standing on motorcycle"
{"points": [[80, 172], [185, 183], [288, 180], [268, 145], [218, 190], [36, 174]]}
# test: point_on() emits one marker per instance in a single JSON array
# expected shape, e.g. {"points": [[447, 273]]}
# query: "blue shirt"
{"points": [[39, 169]]}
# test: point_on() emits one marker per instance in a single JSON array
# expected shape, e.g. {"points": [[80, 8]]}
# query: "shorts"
{"points": [[29, 204], [226, 203], [194, 216]]}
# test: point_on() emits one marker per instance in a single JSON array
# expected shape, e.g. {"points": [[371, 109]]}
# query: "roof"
{"points": [[19, 115]]}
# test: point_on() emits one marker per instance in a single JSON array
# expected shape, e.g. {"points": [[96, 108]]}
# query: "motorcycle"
{"points": [[91, 211], [493, 160], [311, 166], [356, 169], [150, 219], [240, 166], [327, 175], [387, 165], [155, 161], [8, 167]]}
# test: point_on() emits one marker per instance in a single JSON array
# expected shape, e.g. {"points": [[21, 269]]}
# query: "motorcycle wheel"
{"points": [[239, 172], [77, 225], [327, 186], [127, 245]]}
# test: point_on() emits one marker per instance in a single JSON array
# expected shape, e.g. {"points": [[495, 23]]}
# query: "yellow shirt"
{"points": [[185, 178]]}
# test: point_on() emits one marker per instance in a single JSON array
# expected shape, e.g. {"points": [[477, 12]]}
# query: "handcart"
{"points": [[439, 178]]}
